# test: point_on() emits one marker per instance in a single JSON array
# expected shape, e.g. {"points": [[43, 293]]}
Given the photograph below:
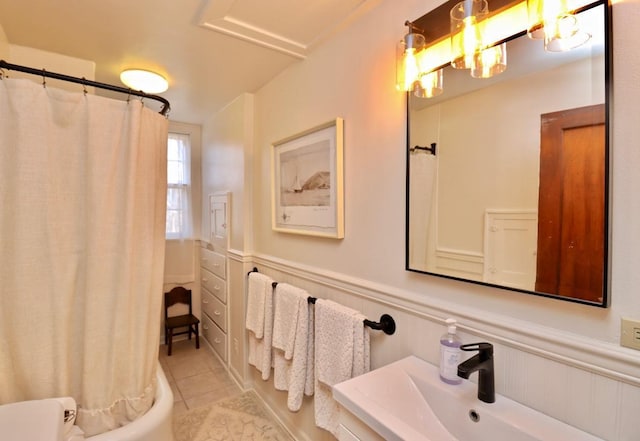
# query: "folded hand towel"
{"points": [[292, 332], [341, 353], [285, 316], [259, 284], [259, 321]]}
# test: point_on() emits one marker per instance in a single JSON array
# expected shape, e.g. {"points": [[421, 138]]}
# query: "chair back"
{"points": [[178, 294]]}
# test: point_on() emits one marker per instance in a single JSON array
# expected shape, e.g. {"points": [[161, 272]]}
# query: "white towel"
{"points": [[341, 352], [259, 321], [285, 316], [292, 332]]}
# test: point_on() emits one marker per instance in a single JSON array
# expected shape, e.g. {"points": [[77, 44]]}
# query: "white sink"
{"points": [[406, 400]]}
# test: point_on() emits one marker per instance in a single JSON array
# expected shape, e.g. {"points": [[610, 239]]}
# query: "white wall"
{"points": [[373, 249], [226, 167], [4, 45], [39, 59], [473, 149], [181, 256], [226, 160], [551, 352]]}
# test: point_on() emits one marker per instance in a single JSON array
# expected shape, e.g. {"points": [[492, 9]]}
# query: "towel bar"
{"points": [[386, 324]]}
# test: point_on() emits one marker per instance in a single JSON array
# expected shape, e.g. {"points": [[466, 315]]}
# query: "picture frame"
{"points": [[307, 194]]}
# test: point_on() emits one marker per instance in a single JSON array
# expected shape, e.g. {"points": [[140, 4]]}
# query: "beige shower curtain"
{"points": [[82, 221]]}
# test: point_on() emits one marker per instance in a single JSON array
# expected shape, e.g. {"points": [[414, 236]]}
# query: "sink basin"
{"points": [[406, 400]]}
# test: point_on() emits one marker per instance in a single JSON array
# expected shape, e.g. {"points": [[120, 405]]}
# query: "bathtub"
{"points": [[155, 425]]}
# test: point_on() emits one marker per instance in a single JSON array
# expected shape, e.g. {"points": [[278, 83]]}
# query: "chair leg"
{"points": [[197, 337], [166, 332], [170, 341]]}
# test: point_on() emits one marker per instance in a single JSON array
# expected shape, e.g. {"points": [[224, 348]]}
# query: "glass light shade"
{"points": [[543, 14], [407, 66], [489, 62], [144, 80], [467, 19], [429, 85], [564, 35]]}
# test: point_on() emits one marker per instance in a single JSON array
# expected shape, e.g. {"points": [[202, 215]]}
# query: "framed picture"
{"points": [[307, 182]]}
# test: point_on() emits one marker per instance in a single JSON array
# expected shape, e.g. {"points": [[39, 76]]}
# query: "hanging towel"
{"points": [[341, 352], [259, 321], [285, 316], [285, 321], [292, 333]]}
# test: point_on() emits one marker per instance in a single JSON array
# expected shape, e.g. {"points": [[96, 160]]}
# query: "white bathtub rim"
{"points": [[151, 422]]}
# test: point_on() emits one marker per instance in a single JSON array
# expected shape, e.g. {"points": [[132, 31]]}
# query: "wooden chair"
{"points": [[189, 321]]}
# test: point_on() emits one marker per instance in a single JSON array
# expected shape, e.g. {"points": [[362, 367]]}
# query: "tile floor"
{"points": [[196, 376]]}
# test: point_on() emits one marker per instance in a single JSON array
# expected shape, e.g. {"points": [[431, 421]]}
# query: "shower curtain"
{"points": [[82, 222], [422, 184]]}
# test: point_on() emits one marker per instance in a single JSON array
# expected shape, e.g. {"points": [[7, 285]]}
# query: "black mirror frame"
{"points": [[433, 20]]}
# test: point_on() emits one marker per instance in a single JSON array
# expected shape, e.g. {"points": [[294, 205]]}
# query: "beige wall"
{"points": [[181, 256], [471, 140], [4, 45], [373, 249], [561, 358], [352, 76], [226, 167], [53, 62]]}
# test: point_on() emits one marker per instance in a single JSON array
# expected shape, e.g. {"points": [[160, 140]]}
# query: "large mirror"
{"points": [[515, 193]]}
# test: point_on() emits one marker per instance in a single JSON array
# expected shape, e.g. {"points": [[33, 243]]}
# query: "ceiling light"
{"points": [[144, 80]]}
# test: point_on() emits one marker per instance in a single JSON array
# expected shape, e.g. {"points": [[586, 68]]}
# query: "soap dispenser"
{"points": [[450, 354]]}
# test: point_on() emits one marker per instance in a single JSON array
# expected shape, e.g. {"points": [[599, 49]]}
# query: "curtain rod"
{"points": [[44, 73]]}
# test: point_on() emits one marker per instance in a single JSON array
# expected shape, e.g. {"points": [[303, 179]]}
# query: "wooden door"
{"points": [[571, 204]]}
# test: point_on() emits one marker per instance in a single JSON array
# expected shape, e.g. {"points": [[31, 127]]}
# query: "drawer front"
{"points": [[214, 284], [215, 309], [216, 338], [214, 262]]}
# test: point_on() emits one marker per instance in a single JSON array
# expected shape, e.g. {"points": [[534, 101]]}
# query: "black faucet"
{"points": [[483, 363]]}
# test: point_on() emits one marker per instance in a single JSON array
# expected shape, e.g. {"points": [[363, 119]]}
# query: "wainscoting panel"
{"points": [[591, 386]]}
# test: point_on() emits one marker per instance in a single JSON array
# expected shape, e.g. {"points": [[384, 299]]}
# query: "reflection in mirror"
{"points": [[516, 194]]}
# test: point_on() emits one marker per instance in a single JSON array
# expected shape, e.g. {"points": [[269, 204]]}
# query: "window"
{"points": [[179, 187]]}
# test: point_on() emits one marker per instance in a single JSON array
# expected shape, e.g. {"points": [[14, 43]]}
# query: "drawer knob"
{"points": [[217, 288], [205, 280], [205, 327], [216, 312], [217, 341], [216, 265], [205, 301]]}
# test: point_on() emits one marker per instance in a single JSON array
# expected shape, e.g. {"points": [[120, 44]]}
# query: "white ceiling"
{"points": [[211, 51]]}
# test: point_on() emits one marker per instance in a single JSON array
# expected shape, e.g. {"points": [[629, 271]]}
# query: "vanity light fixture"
{"points": [[429, 85], [144, 80], [490, 61], [471, 47], [476, 40], [553, 21], [410, 73], [467, 19], [407, 67]]}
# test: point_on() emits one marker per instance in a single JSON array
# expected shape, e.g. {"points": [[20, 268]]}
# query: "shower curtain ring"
{"points": [[84, 86], [128, 96], [44, 76]]}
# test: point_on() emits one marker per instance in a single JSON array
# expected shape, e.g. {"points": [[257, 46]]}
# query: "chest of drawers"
{"points": [[214, 299]]}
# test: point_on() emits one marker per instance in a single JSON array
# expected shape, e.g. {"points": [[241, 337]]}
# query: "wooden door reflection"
{"points": [[571, 204]]}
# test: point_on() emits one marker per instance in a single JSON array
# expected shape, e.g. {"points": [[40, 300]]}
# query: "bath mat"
{"points": [[240, 418]]}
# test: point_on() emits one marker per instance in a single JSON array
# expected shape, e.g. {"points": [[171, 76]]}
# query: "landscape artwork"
{"points": [[307, 182], [305, 176]]}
